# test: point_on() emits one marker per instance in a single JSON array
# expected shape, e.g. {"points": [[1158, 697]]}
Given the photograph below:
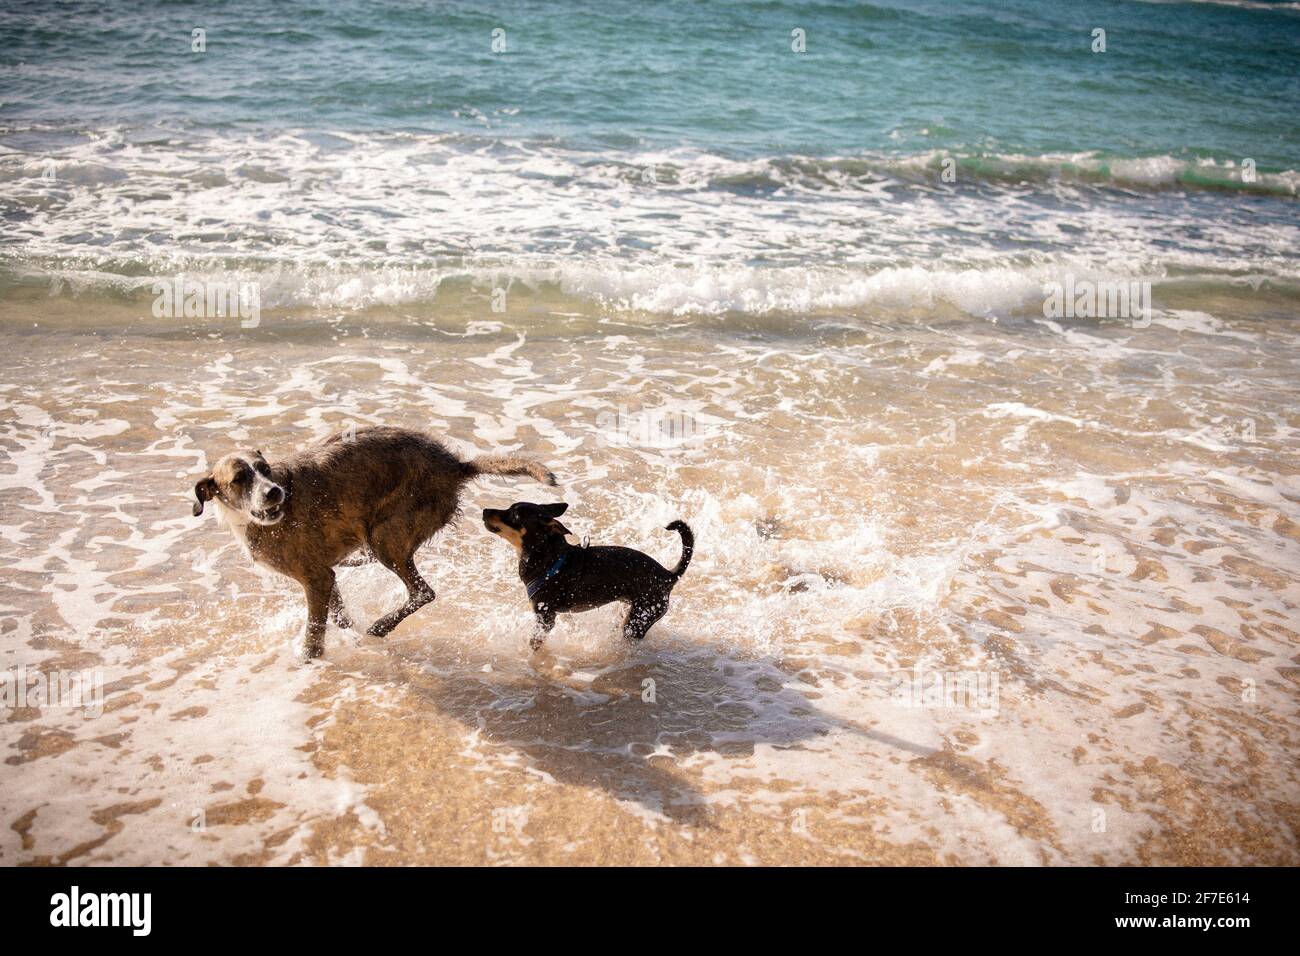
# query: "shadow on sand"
{"points": [[627, 722]]}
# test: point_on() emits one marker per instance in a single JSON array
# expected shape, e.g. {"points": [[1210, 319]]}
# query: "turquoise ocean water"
{"points": [[664, 156]]}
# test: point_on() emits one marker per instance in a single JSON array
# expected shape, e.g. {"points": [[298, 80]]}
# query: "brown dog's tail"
{"points": [[688, 545], [509, 465]]}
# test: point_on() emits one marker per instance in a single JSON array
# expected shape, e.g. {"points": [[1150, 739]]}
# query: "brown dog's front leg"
{"points": [[338, 613], [319, 590]]}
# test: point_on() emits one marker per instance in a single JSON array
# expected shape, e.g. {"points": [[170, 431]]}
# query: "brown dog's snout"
{"points": [[275, 495]]}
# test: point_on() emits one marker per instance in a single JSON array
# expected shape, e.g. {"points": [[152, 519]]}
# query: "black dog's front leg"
{"points": [[545, 621]]}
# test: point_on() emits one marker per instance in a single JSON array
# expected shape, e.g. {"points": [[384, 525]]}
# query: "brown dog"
{"points": [[376, 489]]}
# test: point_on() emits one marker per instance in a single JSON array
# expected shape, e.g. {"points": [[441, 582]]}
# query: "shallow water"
{"points": [[1097, 522]]}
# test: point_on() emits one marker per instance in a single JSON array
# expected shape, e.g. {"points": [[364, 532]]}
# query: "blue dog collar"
{"points": [[551, 572]]}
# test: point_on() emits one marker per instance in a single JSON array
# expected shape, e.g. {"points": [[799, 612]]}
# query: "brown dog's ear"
{"points": [[205, 490], [555, 510]]}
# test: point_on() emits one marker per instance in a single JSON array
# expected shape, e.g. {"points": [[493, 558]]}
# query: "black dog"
{"points": [[562, 578]]}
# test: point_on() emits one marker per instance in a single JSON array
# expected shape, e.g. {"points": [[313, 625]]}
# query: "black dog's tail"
{"points": [[688, 546]]}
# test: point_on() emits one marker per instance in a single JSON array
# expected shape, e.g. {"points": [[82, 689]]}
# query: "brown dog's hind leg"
{"points": [[642, 615], [419, 593], [393, 548]]}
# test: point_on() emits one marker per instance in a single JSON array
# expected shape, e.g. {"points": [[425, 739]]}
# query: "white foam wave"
{"points": [[351, 220], [698, 288]]}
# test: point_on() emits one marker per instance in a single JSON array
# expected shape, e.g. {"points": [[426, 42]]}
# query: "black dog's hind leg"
{"points": [[545, 622], [642, 615]]}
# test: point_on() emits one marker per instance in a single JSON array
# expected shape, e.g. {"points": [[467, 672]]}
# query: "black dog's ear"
{"points": [[555, 510], [558, 527], [205, 490]]}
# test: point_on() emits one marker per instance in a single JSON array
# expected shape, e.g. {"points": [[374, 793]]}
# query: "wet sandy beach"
{"points": [[1085, 535]]}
